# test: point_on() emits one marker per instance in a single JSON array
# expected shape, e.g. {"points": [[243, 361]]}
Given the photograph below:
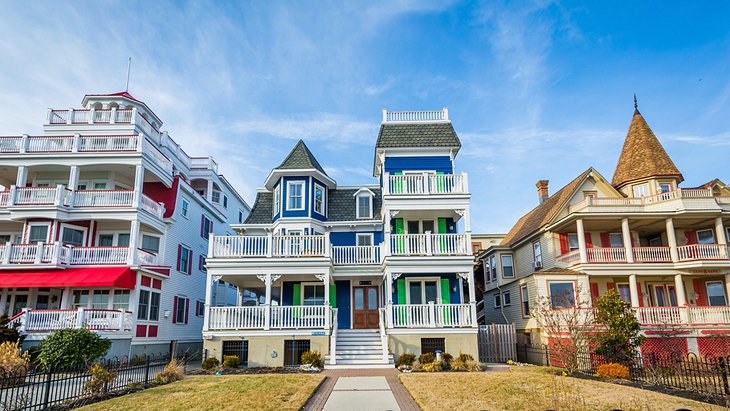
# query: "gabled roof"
{"points": [[417, 135], [301, 158], [543, 213], [642, 155]]}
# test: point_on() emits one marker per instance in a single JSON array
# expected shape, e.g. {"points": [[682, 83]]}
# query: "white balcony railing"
{"points": [[35, 195], [108, 143], [606, 254], [425, 184], [415, 116], [237, 318], [668, 316], [4, 197], [569, 258], [54, 254], [431, 315], [355, 255], [429, 244], [94, 319], [279, 317], [620, 204], [702, 252], [299, 246], [50, 144], [152, 207], [652, 254], [103, 198], [97, 255]]}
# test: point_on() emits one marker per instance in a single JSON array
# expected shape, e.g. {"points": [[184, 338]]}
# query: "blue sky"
{"points": [[535, 89]]}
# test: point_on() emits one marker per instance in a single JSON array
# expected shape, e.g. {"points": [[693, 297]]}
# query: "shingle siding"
{"points": [[417, 135]]}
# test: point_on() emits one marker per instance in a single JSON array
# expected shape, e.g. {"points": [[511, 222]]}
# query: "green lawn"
{"points": [[533, 388], [230, 392]]}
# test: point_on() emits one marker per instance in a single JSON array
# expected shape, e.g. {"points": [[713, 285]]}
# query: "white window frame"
{"points": [[420, 226], [141, 242], [665, 183], [643, 187], [64, 226], [289, 197], [14, 238], [572, 283], [712, 233], [615, 235], [316, 284], [31, 225], [323, 208], [370, 206], [365, 235], [524, 298], [504, 300], [536, 253], [423, 289], [501, 265], [488, 269], [493, 267], [722, 287], [497, 300], [577, 242], [277, 199], [184, 208]]}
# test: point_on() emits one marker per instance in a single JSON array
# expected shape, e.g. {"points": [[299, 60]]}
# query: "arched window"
{"points": [[113, 105], [97, 106]]}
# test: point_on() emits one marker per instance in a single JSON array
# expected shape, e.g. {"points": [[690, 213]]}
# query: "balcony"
{"points": [[56, 255], [613, 255], [356, 255], [662, 316], [45, 321], [431, 315], [425, 184], [81, 199], [278, 246], [265, 317], [430, 245], [692, 198]]}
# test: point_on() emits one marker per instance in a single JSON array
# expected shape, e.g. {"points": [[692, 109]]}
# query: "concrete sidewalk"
{"points": [[361, 393]]}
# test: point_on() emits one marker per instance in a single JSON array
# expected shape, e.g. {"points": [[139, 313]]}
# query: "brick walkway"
{"points": [[404, 399]]}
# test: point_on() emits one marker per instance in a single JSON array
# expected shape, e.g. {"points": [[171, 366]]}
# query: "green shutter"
{"points": [[398, 186], [400, 243], [297, 298], [440, 182], [333, 296], [445, 291], [443, 246], [400, 287]]}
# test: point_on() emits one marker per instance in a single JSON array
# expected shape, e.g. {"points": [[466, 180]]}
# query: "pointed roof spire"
{"points": [[642, 155], [636, 105], [301, 158]]}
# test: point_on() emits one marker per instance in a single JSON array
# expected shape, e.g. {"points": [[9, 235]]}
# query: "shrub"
{"points": [[473, 366], [426, 358], [100, 379], [13, 364], [447, 358], [613, 371], [313, 358], [210, 363], [72, 348], [405, 359], [9, 334], [459, 366], [434, 366], [173, 371], [231, 361], [465, 357]]}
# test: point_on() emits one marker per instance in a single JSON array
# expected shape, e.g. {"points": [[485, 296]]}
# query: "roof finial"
{"points": [[636, 105], [129, 68]]}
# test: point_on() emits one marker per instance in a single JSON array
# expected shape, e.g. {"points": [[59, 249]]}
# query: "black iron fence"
{"points": [[707, 376], [39, 388]]}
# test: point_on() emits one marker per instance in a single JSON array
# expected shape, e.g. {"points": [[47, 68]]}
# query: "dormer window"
{"points": [[318, 199], [364, 206], [295, 195]]}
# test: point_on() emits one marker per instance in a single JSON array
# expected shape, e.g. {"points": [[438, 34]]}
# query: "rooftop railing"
{"points": [[424, 116]]}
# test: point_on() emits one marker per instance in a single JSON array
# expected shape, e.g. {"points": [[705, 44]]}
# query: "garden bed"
{"points": [[251, 370]]}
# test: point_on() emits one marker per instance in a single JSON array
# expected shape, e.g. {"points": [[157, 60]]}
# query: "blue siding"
{"points": [[287, 293], [349, 237], [343, 303], [296, 213], [315, 214], [435, 163], [450, 226]]}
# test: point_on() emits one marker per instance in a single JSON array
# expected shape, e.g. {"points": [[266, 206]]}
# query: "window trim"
{"points": [[205, 234], [577, 241], [722, 287], [493, 267], [712, 232], [369, 235], [188, 268], [370, 205], [199, 308], [645, 185], [312, 283], [289, 185], [185, 208], [141, 242], [85, 230], [277, 199], [175, 319], [423, 289], [535, 255], [524, 298], [47, 224], [501, 265], [504, 301], [575, 291], [323, 205], [620, 235], [497, 297]]}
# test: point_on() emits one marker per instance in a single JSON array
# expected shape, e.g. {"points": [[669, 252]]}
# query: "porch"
{"points": [[59, 255], [32, 321]]}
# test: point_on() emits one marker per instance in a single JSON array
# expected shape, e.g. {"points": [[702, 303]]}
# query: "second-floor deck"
{"points": [[608, 255], [58, 255], [425, 184], [683, 198], [655, 317]]}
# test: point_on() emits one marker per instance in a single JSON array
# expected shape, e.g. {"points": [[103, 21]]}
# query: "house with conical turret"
{"points": [[661, 246]]}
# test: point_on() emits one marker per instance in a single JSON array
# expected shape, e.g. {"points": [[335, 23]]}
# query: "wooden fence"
{"points": [[497, 343]]}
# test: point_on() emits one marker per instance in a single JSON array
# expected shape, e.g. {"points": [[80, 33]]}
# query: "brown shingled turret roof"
{"points": [[642, 155]]}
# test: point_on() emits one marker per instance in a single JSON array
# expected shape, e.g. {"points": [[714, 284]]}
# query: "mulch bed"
{"points": [[251, 370]]}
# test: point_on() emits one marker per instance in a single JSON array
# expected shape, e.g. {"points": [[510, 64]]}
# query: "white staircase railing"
{"points": [[333, 338], [383, 334]]}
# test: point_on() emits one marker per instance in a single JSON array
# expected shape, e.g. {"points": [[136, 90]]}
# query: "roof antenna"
{"points": [[636, 105], [129, 68]]}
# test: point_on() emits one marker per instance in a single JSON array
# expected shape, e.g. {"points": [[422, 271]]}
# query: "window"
{"points": [[215, 197], [475, 248], [665, 187], [106, 240], [181, 310], [143, 307], [72, 236], [277, 199], [705, 237], [616, 239], [497, 300], [201, 264], [38, 233], [184, 259], [537, 254], [715, 293], [572, 241], [364, 206], [641, 190], [493, 267], [123, 239], [239, 349], [525, 301], [295, 194], [225, 201], [423, 291], [184, 208], [590, 195], [364, 239], [206, 226], [312, 294], [624, 292], [506, 299], [154, 306], [81, 298], [100, 299], [487, 270], [120, 301], [150, 243], [199, 308], [100, 186], [562, 294], [655, 242], [293, 350], [240, 217], [319, 199], [432, 345], [508, 270]]}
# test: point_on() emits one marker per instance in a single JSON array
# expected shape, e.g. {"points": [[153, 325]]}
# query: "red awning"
{"points": [[119, 277]]}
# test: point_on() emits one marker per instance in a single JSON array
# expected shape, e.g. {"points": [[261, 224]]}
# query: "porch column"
{"points": [[3, 301], [327, 316], [634, 289], [672, 240], [388, 298], [267, 313], [208, 299], [721, 239], [133, 242], [472, 299], [581, 241], [138, 183], [626, 232], [679, 290], [66, 298], [209, 191], [727, 284], [22, 178], [73, 178]]}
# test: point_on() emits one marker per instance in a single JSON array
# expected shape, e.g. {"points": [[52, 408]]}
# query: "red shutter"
{"points": [[187, 309], [594, 292], [190, 261], [179, 256], [605, 240], [563, 243], [611, 286], [641, 295], [691, 237], [174, 310], [700, 291], [589, 241]]}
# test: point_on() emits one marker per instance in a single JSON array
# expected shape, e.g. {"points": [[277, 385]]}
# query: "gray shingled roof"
{"points": [[261, 211], [341, 206], [300, 158], [417, 135]]}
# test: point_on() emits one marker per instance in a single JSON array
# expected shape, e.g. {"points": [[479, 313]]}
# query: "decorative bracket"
{"points": [[321, 277], [395, 276], [216, 277], [263, 277], [460, 212], [394, 213], [464, 276], [275, 277]]}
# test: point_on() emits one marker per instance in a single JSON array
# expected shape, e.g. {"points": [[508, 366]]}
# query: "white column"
{"points": [[472, 298], [66, 299], [209, 191], [634, 289], [327, 315], [467, 221], [22, 178], [133, 242], [389, 298], [138, 183], [208, 299], [581, 241], [727, 284], [626, 232], [672, 240], [721, 239], [73, 178], [3, 301], [267, 314], [679, 289]]}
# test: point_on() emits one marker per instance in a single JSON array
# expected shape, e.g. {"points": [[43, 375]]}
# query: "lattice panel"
{"points": [[714, 346], [664, 346]]}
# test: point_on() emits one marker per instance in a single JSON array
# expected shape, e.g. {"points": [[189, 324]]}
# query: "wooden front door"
{"points": [[365, 307]]}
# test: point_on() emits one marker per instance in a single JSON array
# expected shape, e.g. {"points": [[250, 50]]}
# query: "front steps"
{"points": [[358, 349]]}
